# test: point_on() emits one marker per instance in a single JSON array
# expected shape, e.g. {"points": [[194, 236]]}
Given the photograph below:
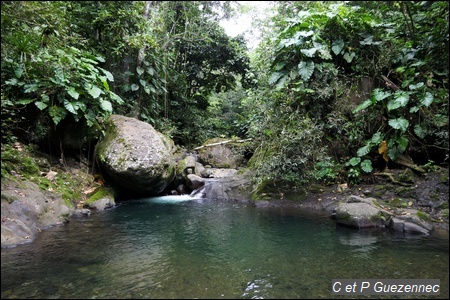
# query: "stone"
{"points": [[136, 156], [226, 155], [194, 181], [358, 215]]}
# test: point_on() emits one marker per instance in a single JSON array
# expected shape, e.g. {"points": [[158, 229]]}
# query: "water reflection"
{"points": [[361, 242], [207, 249]]}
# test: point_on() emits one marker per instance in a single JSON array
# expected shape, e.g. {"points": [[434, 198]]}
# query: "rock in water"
{"points": [[136, 156]]}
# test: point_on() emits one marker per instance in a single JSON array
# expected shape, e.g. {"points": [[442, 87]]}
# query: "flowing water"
{"points": [[180, 247]]}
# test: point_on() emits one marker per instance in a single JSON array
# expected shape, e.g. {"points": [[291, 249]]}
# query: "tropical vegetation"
{"points": [[333, 92]]}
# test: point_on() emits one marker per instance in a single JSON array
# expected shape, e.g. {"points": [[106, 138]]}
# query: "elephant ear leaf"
{"points": [[94, 91], [399, 123], [106, 105], [337, 46], [306, 69], [363, 150], [366, 166], [73, 93]]}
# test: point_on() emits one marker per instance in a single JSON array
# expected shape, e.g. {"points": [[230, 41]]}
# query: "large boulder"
{"points": [[222, 153], [27, 210], [358, 212], [136, 156]]}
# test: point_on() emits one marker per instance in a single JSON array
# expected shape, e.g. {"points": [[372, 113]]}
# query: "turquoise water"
{"points": [[185, 248]]}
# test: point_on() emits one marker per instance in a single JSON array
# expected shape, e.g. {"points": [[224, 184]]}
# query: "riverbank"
{"points": [[427, 193], [39, 194]]}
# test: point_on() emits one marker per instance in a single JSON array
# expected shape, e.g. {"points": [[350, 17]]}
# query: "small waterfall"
{"points": [[198, 193], [204, 190]]}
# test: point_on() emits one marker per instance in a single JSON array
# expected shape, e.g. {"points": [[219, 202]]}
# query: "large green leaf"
{"points": [[325, 54], [376, 138], [414, 109], [94, 91], [23, 101], [363, 105], [416, 86], [29, 88], [309, 52], [151, 71], [107, 74], [393, 153], [281, 82], [57, 113], [90, 117], [274, 77], [349, 56], [354, 161], [427, 100], [106, 105], [41, 105], [400, 100], [379, 94], [366, 166], [337, 46], [306, 69], [104, 82], [116, 98], [279, 66], [402, 142], [19, 71], [306, 33], [72, 107], [12, 81], [140, 70], [72, 92], [363, 150], [399, 123], [419, 131]]}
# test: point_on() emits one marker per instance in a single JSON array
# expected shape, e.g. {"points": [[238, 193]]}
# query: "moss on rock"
{"points": [[100, 193]]}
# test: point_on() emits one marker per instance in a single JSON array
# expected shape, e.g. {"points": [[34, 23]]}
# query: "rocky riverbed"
{"points": [[30, 204]]}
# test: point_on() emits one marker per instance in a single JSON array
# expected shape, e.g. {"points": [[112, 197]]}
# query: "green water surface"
{"points": [[152, 248]]}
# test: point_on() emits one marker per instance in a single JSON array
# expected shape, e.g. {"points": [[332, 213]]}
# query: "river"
{"points": [[173, 247]]}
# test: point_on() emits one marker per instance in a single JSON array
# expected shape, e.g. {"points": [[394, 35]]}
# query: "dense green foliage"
{"points": [[335, 90], [157, 61], [321, 56]]}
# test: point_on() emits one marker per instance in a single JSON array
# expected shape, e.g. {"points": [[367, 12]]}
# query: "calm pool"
{"points": [[184, 248]]}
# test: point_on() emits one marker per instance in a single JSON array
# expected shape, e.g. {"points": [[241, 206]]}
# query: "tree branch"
{"points": [[221, 143]]}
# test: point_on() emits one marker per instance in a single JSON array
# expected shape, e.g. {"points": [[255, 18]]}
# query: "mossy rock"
{"points": [[223, 153], [406, 176], [265, 191], [278, 190], [406, 192], [100, 193], [423, 216], [398, 203], [380, 190]]}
